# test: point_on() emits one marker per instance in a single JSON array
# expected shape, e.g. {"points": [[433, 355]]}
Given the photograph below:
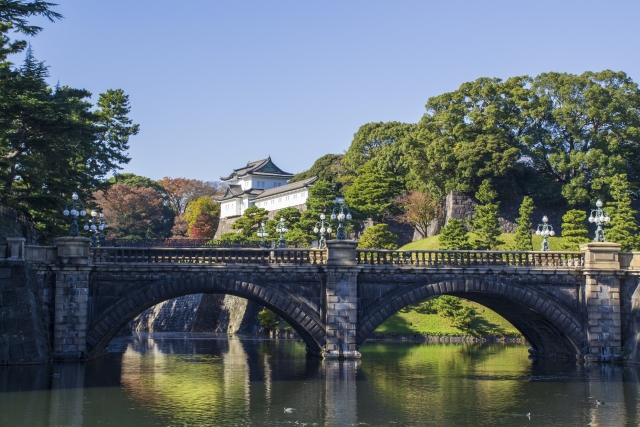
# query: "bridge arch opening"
{"points": [[302, 318], [550, 328]]}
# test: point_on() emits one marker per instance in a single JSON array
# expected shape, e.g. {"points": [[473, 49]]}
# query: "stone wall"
{"points": [[216, 313], [225, 226], [24, 337], [630, 318], [459, 205]]}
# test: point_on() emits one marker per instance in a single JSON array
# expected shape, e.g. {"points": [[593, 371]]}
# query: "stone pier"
{"points": [[602, 298], [342, 301]]}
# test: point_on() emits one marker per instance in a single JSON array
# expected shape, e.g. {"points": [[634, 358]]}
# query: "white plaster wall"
{"points": [[282, 201]]}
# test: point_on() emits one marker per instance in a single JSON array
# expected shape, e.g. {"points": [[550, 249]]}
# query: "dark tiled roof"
{"points": [[286, 188], [261, 167], [235, 191]]}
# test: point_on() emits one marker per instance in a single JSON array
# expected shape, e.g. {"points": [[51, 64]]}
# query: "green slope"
{"points": [[418, 320]]}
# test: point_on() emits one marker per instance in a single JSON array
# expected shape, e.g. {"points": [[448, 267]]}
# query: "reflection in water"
{"points": [[203, 380]]}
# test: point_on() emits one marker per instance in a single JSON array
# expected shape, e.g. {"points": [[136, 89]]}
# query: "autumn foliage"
{"points": [[202, 217], [132, 212]]}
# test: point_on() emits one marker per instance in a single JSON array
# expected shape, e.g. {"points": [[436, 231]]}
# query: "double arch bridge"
{"points": [[566, 304]]}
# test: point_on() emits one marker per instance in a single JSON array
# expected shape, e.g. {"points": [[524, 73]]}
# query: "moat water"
{"points": [[207, 380]]}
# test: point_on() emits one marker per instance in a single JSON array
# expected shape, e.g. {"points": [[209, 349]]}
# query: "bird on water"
{"points": [[289, 410], [599, 402], [529, 415]]}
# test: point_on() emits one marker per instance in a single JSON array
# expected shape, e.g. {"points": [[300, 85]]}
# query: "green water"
{"points": [[204, 380]]}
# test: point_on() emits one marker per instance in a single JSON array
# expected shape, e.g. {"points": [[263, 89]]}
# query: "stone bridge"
{"points": [[66, 302]]}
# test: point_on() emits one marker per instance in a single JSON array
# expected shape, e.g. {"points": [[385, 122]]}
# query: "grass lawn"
{"points": [[431, 243], [419, 320]]}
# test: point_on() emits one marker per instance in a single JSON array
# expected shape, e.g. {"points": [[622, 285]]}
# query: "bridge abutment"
{"points": [[342, 300], [602, 300], [71, 321]]}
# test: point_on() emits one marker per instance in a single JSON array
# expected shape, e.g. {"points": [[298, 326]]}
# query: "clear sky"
{"points": [[214, 84]]}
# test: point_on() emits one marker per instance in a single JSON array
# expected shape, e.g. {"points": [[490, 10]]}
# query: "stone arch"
{"points": [[551, 329], [297, 313]]}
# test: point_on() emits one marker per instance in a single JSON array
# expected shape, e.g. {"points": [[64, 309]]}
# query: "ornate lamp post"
{"points": [[262, 233], [339, 213], [98, 218], [599, 216], [322, 227], [545, 230], [281, 228], [74, 212], [92, 229]]}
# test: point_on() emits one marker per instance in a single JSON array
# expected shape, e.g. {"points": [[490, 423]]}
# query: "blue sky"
{"points": [[214, 84]]}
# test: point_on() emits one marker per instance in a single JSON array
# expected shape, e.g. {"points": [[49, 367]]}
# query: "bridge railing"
{"points": [[119, 255], [471, 258]]}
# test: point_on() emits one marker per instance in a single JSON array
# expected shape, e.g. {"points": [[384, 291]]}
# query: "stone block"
{"points": [[10, 298]]}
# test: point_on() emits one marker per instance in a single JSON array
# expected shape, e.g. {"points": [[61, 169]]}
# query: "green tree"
{"points": [[378, 237], [370, 140], [485, 223], [551, 136], [52, 144], [13, 16], [451, 307], [267, 318], [523, 238], [202, 217], [574, 229], [133, 180], [623, 228], [373, 192], [326, 168], [321, 200], [250, 221], [454, 236]]}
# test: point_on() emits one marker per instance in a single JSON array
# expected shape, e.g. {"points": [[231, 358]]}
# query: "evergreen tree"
{"points": [[574, 229], [321, 199], [523, 238], [485, 223], [373, 192], [454, 236], [250, 221], [378, 237], [624, 227]]}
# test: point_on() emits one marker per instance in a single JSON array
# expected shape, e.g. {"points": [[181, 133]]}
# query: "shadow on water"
{"points": [[208, 380]]}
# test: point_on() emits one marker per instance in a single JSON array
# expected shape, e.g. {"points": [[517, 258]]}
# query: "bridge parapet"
{"points": [[438, 259], [208, 256]]}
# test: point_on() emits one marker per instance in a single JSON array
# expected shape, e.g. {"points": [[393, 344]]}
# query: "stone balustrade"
{"points": [[441, 259], [111, 255]]}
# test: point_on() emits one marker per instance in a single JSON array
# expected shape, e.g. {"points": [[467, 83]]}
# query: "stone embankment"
{"points": [[211, 313]]}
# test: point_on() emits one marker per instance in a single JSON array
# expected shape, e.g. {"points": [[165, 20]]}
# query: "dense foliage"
{"points": [[202, 217], [623, 228], [454, 236], [523, 238], [378, 237], [574, 229], [485, 222], [53, 141], [326, 168], [552, 135]]}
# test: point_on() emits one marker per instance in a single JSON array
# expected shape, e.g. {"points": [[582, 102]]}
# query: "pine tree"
{"points": [[378, 237], [574, 229], [454, 236], [624, 227], [523, 239], [485, 223]]}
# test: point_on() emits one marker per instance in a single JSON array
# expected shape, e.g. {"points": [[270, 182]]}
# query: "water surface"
{"points": [[208, 380]]}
